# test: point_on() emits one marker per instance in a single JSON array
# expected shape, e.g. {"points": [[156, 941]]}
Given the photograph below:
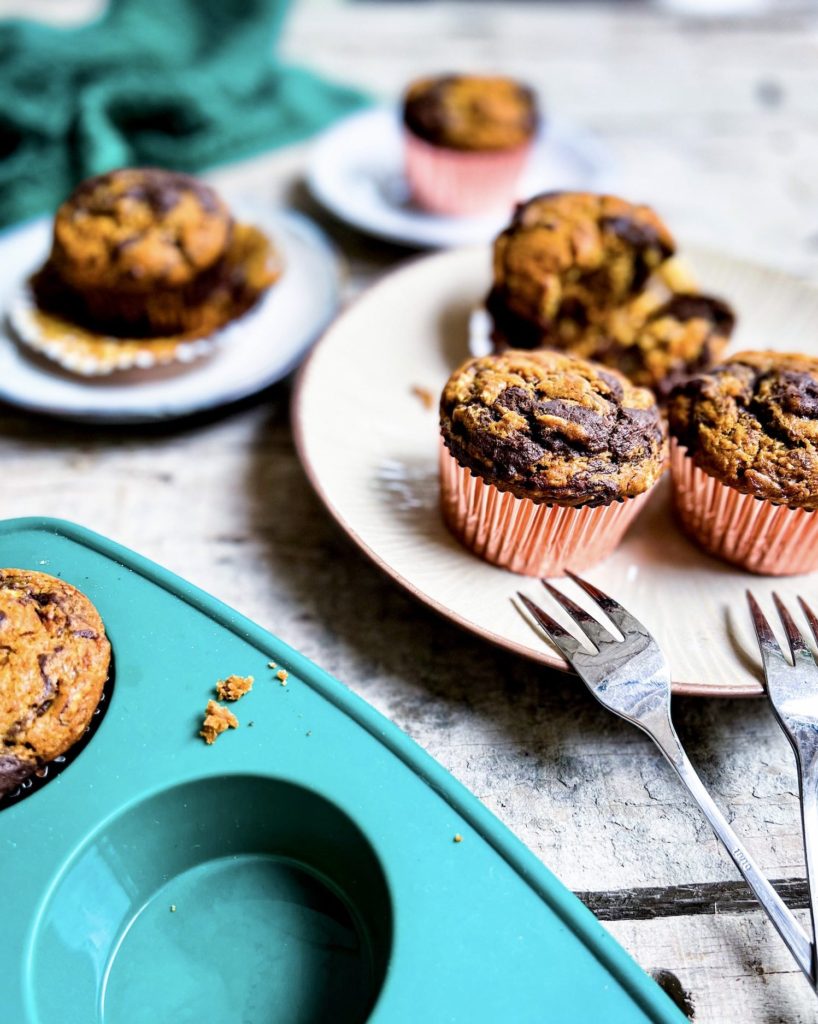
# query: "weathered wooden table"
{"points": [[716, 124]]}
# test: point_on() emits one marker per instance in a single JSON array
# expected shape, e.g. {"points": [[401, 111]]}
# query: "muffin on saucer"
{"points": [[545, 459], [54, 660], [467, 140], [744, 460], [597, 276], [143, 263]]}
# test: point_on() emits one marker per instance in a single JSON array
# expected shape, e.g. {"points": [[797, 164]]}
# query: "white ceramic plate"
{"points": [[253, 352], [356, 172], [369, 445]]}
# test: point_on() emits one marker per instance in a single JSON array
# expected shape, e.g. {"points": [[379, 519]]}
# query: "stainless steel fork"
{"points": [[630, 677], [792, 687]]}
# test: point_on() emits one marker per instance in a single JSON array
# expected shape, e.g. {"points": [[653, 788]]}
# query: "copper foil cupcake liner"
{"points": [[756, 534], [525, 537], [459, 183]]}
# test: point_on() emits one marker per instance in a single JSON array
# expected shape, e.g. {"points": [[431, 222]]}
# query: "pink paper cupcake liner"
{"points": [[458, 183], [756, 534], [523, 536]]}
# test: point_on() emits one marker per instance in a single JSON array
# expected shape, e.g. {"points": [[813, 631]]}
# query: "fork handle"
{"points": [[778, 912], [809, 818]]}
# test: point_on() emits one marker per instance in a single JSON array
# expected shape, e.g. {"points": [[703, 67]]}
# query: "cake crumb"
{"points": [[427, 397], [271, 664], [234, 687], [282, 674], [173, 908], [217, 720], [458, 838]]}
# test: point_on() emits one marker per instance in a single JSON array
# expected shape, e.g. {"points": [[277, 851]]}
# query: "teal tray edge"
{"points": [[576, 916]]}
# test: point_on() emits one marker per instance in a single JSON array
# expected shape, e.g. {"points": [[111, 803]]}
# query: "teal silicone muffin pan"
{"points": [[303, 869]]}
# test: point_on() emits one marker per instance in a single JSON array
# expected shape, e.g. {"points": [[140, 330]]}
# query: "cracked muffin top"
{"points": [[753, 424], [655, 339], [566, 253], [54, 660], [470, 112], [136, 229], [552, 427]]}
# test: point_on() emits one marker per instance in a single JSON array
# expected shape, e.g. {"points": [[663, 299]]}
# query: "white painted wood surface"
{"points": [[714, 122]]}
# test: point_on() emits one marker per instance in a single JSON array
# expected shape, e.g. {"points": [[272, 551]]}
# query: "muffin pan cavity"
{"points": [[236, 898]]}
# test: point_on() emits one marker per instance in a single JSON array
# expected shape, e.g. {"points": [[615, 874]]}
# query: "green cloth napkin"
{"points": [[182, 84]]}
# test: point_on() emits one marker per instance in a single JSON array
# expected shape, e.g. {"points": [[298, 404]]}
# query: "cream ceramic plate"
{"points": [[369, 444]]}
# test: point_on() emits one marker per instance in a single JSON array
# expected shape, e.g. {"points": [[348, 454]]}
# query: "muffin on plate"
{"points": [[54, 660], [467, 139], [545, 458], [744, 459], [143, 261], [596, 276]]}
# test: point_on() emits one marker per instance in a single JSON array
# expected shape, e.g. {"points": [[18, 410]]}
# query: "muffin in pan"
{"points": [[54, 661], [597, 276], [545, 458], [467, 140], [146, 258], [744, 457]]}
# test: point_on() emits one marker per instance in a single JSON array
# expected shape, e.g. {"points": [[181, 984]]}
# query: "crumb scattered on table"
{"points": [[282, 674], [426, 396], [218, 719], [458, 838], [271, 664], [233, 687], [173, 908]]}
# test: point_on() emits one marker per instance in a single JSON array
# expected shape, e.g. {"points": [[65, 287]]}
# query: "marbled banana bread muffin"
{"points": [[54, 660], [143, 252], [593, 275], [467, 140], [545, 458], [745, 460], [470, 112]]}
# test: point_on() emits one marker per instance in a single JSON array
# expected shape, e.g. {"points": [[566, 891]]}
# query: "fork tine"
{"points": [[810, 617], [621, 618], [593, 629], [798, 646], [565, 641], [767, 643]]}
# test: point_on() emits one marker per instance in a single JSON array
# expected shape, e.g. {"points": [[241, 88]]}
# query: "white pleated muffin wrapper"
{"points": [[97, 355]]}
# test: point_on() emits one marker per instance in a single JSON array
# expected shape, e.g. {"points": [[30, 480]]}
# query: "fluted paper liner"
{"points": [[526, 537], [751, 532], [459, 182]]}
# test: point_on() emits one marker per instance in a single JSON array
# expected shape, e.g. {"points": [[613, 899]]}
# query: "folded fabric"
{"points": [[182, 84]]}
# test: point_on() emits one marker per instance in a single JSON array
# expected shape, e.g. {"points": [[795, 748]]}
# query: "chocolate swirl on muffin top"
{"points": [[553, 428], [136, 229], [753, 423], [568, 252], [470, 112]]}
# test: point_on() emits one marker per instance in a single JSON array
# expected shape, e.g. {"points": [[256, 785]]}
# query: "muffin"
{"points": [[54, 660], [467, 139], [144, 254], [595, 275], [545, 458], [744, 451]]}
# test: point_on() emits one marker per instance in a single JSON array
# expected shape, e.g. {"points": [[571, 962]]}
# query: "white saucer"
{"points": [[252, 353], [356, 172]]}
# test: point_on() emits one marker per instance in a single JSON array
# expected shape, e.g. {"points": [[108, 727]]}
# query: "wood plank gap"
{"points": [[650, 902]]}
